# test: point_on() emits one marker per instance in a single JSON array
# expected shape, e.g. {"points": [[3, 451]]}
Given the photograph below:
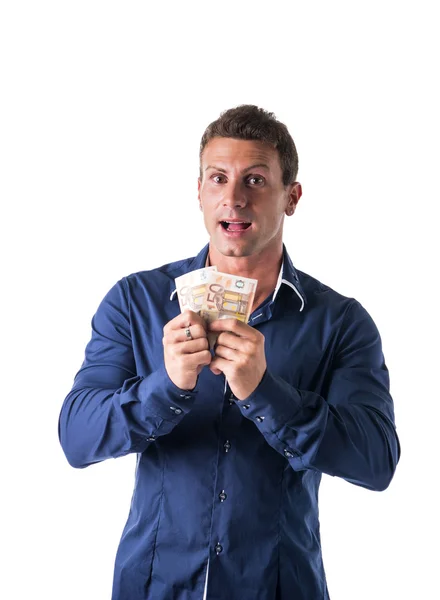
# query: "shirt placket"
{"points": [[221, 493], [230, 415]]}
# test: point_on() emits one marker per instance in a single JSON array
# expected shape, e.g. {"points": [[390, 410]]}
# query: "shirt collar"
{"points": [[287, 275]]}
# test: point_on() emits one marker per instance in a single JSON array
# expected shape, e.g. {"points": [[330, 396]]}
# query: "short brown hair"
{"points": [[249, 122]]}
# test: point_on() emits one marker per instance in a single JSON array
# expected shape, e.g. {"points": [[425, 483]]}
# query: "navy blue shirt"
{"points": [[221, 483]]}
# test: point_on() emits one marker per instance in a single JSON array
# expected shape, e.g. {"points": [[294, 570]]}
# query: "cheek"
{"points": [[208, 212], [270, 222], [210, 202], [209, 217]]}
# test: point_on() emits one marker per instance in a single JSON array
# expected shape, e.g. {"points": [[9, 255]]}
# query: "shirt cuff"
{"points": [[162, 398], [272, 405]]}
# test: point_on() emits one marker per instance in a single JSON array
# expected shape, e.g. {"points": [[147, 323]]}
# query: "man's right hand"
{"points": [[185, 358]]}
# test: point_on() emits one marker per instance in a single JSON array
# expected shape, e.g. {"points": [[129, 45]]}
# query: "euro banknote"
{"points": [[228, 297], [191, 289], [215, 295]]}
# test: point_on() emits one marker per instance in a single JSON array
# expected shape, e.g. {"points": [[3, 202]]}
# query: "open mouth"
{"points": [[236, 226]]}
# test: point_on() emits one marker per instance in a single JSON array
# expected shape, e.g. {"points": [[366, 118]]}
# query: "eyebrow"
{"points": [[257, 165]]}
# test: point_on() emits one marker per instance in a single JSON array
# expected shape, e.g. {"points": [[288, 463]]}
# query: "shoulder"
{"points": [[345, 310], [320, 295]]}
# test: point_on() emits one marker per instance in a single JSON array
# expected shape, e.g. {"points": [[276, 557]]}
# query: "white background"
{"points": [[103, 108]]}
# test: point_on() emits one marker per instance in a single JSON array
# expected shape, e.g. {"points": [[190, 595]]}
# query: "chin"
{"points": [[234, 249], [235, 252]]}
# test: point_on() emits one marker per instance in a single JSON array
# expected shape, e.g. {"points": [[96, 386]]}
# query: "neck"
{"points": [[264, 267]]}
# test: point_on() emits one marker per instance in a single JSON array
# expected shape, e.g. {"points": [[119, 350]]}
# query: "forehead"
{"points": [[230, 153]]}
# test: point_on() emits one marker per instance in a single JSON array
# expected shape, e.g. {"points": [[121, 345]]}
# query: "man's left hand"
{"points": [[239, 355]]}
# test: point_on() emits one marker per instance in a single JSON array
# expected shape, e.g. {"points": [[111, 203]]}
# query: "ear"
{"points": [[199, 185], [294, 196]]}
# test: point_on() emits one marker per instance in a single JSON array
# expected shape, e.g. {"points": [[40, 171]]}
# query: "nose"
{"points": [[235, 195]]}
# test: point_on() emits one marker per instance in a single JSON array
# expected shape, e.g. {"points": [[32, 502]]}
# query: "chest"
{"points": [[298, 346]]}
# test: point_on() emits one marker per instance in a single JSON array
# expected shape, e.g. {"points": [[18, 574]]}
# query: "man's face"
{"points": [[242, 181]]}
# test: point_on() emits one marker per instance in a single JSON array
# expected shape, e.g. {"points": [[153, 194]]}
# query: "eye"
{"points": [[256, 180], [215, 178]]}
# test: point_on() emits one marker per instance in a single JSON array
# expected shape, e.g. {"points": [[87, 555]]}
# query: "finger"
{"points": [[189, 346], [185, 319], [219, 364], [189, 362], [193, 361], [233, 326], [226, 353], [232, 341], [180, 335]]}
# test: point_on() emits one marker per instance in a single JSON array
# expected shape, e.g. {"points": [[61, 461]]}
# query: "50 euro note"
{"points": [[216, 295], [191, 289], [227, 297]]}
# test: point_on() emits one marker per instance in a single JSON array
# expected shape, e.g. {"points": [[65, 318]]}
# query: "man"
{"points": [[231, 444]]}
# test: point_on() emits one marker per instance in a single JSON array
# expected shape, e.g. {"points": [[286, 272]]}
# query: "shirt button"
{"points": [[176, 411], [231, 399], [151, 438], [218, 548], [288, 454], [222, 496], [246, 406], [227, 446], [260, 419]]}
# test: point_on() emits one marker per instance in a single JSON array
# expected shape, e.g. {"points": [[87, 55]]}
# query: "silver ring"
{"points": [[188, 334]]}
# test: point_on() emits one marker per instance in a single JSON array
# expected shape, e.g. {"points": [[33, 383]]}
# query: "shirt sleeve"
{"points": [[348, 432], [111, 411]]}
